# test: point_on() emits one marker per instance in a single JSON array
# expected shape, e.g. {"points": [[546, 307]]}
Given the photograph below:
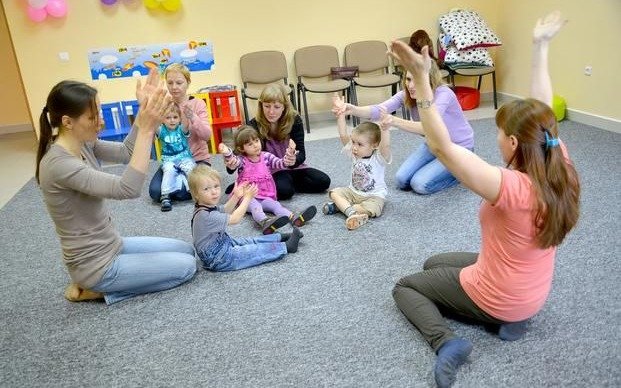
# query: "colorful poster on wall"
{"points": [[130, 61]]}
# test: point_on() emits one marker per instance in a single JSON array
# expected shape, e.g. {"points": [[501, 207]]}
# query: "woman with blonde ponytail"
{"points": [[527, 210], [100, 262]]}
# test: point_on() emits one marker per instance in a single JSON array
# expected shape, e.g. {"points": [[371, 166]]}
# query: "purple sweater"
{"points": [[447, 105]]}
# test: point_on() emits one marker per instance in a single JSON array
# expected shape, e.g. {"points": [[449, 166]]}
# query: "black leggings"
{"points": [[155, 187], [303, 180]]}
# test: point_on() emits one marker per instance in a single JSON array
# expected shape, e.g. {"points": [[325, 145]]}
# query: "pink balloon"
{"points": [[56, 8], [36, 14], [37, 3]]}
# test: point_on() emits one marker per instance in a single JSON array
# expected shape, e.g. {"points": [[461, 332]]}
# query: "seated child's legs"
{"points": [[256, 210], [169, 177], [186, 165], [249, 252]]}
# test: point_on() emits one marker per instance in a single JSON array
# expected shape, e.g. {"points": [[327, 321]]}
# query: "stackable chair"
{"points": [[313, 69], [259, 69]]}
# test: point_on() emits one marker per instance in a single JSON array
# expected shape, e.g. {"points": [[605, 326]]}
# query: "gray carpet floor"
{"points": [[325, 315]]}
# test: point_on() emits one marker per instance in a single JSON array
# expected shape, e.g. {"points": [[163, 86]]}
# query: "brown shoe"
{"points": [[356, 220], [74, 293], [270, 224]]}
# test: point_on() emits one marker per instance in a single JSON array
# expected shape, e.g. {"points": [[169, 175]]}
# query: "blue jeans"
{"points": [[147, 264], [423, 173], [230, 254]]}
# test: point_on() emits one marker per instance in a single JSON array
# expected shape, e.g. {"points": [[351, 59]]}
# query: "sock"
{"points": [[285, 236], [451, 355], [293, 240], [512, 331], [349, 211]]}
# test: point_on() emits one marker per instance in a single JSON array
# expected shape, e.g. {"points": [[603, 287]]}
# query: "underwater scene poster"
{"points": [[134, 61]]}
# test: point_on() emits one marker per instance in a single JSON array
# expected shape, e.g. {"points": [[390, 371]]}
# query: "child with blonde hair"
{"points": [[368, 146], [255, 166], [177, 161], [216, 249]]}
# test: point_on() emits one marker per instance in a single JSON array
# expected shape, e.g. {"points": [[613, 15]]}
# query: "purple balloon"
{"points": [[108, 2]]}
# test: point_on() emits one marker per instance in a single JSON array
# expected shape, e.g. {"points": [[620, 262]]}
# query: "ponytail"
{"points": [[45, 138], [67, 98]]}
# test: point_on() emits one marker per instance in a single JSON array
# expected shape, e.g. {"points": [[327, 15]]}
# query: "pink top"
{"points": [[512, 277], [200, 130], [259, 173]]}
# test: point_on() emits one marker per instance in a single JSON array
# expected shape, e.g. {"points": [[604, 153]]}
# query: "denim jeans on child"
{"points": [[174, 175], [423, 173], [230, 254], [147, 264]]}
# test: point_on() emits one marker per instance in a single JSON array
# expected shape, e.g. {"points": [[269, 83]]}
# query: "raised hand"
{"points": [[385, 121], [339, 106], [153, 110], [289, 158], [548, 26], [238, 189], [152, 83], [417, 64]]}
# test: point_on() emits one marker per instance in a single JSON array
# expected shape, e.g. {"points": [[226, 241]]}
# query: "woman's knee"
{"points": [[186, 268]]}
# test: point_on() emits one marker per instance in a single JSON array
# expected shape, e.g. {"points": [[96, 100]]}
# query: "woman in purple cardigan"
{"points": [[422, 172]]}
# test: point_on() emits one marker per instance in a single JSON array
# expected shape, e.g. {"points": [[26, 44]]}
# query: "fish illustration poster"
{"points": [[132, 61]]}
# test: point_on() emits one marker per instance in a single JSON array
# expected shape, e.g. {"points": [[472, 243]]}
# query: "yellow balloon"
{"points": [[151, 4], [171, 5]]}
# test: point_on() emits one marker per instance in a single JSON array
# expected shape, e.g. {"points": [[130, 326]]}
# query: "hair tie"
{"points": [[551, 142]]}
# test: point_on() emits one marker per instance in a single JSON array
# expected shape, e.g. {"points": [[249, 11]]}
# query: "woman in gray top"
{"points": [[101, 263]]}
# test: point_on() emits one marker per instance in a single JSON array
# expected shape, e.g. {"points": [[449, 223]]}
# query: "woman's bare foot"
{"points": [[75, 293]]}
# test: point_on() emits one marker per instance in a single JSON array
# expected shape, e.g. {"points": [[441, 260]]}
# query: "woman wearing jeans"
{"points": [[422, 172], [100, 262]]}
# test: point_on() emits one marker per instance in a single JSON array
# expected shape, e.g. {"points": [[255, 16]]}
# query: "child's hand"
{"points": [[251, 190], [224, 149], [386, 119], [239, 189], [339, 107]]}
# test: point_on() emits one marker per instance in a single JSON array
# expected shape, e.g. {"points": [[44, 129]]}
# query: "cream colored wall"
{"points": [[13, 110], [234, 28], [591, 37]]}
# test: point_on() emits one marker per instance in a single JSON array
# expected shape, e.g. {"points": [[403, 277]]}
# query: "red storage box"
{"points": [[469, 98]]}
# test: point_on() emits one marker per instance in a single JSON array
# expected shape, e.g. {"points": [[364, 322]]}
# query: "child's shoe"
{"points": [[356, 220], [166, 203], [329, 208], [270, 224], [305, 216]]}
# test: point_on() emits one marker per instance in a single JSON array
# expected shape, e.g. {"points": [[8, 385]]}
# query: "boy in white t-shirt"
{"points": [[369, 149]]}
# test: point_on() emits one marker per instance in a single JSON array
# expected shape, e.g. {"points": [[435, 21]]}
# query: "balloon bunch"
{"points": [[38, 10], [168, 5]]}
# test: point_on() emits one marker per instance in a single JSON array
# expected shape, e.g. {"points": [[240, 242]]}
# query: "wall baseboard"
{"points": [[603, 122], [6, 129]]}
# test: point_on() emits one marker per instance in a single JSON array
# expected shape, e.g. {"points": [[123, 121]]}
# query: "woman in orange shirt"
{"points": [[527, 210]]}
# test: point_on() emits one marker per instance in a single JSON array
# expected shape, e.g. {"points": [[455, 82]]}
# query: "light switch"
{"points": [[63, 56]]}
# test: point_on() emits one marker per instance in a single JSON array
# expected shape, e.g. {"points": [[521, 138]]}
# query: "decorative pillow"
{"points": [[468, 30], [477, 56]]}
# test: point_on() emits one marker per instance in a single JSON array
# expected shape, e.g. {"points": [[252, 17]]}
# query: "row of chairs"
{"points": [[313, 66]]}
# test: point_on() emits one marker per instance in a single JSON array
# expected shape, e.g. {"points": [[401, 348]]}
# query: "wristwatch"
{"points": [[423, 104]]}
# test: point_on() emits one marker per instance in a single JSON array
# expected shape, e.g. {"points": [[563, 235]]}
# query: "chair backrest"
{"points": [[315, 61], [368, 55], [263, 67]]}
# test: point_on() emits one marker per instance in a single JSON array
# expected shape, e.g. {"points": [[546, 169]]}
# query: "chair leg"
{"points": [[354, 101], [494, 89], [305, 110], [479, 84]]}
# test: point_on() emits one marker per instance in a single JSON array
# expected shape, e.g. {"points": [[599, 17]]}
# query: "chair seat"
{"points": [[475, 71], [253, 92], [326, 86], [377, 80]]}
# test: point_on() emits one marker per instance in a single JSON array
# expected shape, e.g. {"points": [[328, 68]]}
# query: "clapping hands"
{"points": [[245, 189]]}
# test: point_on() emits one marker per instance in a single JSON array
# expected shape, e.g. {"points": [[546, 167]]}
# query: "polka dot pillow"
{"points": [[467, 30], [478, 56]]}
